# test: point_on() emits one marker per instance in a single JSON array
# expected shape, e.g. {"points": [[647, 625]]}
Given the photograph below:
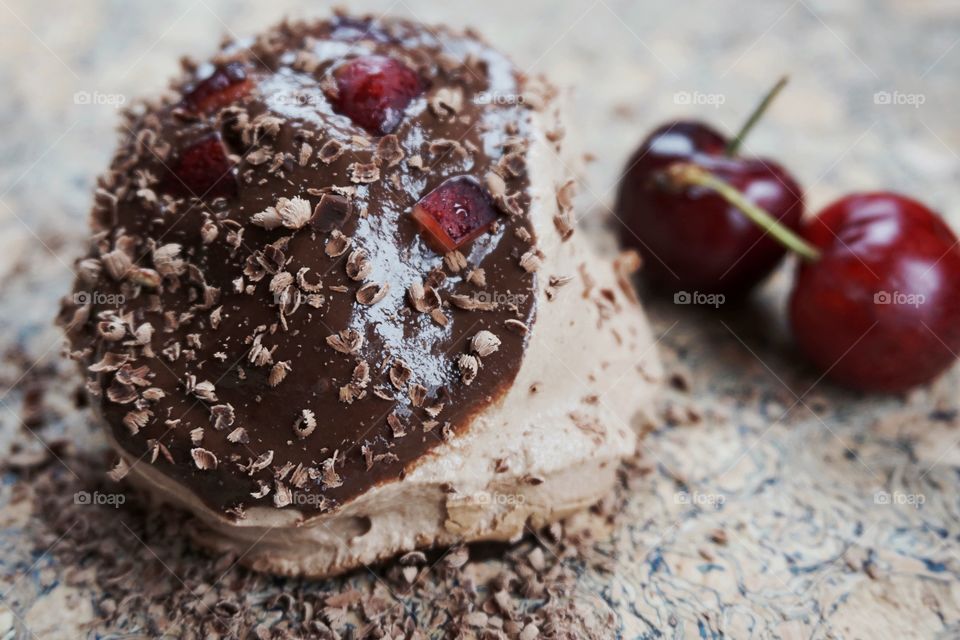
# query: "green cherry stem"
{"points": [[684, 174], [733, 147]]}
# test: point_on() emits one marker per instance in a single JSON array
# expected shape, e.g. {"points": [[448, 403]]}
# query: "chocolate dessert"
{"points": [[335, 306]]}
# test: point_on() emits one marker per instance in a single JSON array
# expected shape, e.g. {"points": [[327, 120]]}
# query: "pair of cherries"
{"points": [[876, 296]]}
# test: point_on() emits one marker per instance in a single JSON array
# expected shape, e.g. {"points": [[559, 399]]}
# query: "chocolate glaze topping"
{"points": [[287, 337]]}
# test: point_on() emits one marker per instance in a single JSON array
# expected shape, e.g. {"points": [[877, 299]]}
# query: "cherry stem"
{"points": [[685, 174], [733, 147]]}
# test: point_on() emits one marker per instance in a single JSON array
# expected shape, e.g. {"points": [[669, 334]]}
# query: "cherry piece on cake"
{"points": [[455, 213], [204, 170], [227, 83], [374, 91]]}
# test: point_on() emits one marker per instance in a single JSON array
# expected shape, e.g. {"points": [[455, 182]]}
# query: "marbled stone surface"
{"points": [[838, 513]]}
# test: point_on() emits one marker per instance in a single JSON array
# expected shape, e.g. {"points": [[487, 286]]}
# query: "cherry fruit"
{"points": [[876, 300], [374, 91], [224, 86], [204, 170], [879, 308], [690, 235], [455, 213]]}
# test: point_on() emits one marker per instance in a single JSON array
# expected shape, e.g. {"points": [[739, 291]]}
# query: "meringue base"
{"points": [[376, 528]]}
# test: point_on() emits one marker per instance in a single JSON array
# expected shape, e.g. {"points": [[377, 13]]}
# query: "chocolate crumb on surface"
{"points": [[170, 589]]}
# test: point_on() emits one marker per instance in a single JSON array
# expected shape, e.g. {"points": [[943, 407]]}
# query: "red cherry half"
{"points": [[879, 310], [374, 91], [204, 170], [225, 85], [454, 214]]}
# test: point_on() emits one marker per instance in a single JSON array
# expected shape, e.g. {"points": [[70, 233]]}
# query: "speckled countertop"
{"points": [[766, 504]]}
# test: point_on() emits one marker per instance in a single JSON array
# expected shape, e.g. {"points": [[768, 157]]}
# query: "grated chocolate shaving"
{"points": [[203, 459]]}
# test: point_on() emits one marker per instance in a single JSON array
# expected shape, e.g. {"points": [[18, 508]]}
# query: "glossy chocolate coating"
{"points": [[139, 208]]}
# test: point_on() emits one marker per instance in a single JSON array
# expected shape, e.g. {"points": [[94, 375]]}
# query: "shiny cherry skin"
{"points": [[692, 239], [374, 91], [227, 84], [454, 214], [203, 170], [880, 309]]}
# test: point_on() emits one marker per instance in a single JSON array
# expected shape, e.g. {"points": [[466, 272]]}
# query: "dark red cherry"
{"points": [[225, 85], [374, 91], [880, 309], [204, 170], [453, 214], [691, 237]]}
